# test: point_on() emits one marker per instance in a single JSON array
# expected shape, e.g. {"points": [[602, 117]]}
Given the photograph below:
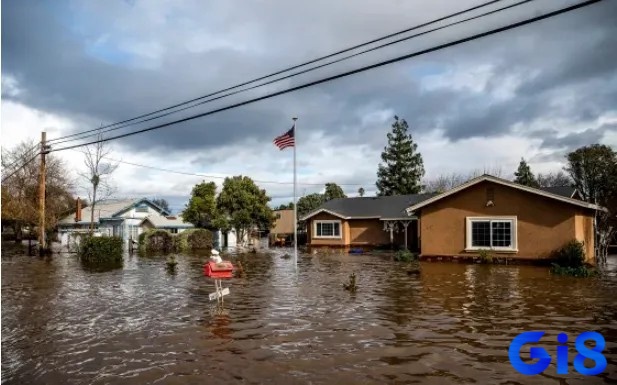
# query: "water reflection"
{"points": [[141, 324]]}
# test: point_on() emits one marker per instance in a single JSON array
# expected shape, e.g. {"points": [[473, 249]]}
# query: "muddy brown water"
{"points": [[141, 324]]}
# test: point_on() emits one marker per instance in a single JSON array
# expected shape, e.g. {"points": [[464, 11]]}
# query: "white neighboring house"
{"points": [[121, 218]]}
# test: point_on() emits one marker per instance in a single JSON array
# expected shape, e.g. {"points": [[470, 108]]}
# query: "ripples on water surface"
{"points": [[140, 324]]}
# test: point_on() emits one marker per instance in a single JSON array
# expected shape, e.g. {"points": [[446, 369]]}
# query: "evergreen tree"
{"points": [[361, 191], [402, 168], [333, 191], [524, 175]]}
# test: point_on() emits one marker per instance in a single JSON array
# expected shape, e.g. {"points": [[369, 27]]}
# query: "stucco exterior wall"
{"points": [[584, 233], [367, 232], [342, 241], [543, 224]]}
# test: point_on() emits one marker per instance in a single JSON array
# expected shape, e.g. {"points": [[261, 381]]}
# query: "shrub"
{"points": [[198, 239], [405, 256], [572, 254], [100, 250], [156, 240], [580, 271], [485, 256]]}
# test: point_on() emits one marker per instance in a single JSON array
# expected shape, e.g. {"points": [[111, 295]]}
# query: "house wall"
{"points": [[543, 224], [284, 224], [367, 232], [584, 233], [345, 232]]}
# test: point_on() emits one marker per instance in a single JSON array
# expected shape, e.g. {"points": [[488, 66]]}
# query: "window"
{"points": [[173, 231], [133, 232], [498, 233], [141, 208], [327, 229]]}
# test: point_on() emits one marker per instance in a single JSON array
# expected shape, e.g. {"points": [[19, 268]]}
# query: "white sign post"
{"points": [[219, 293]]}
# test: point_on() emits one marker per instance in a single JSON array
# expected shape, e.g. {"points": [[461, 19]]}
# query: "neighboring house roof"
{"points": [[503, 182], [108, 209], [384, 207], [167, 222], [565, 191], [137, 202], [103, 209]]}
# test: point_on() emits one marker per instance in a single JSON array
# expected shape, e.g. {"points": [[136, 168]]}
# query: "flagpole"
{"points": [[295, 198]]}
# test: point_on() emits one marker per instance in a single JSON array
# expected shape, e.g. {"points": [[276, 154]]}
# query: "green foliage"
{"points": [[288, 206], [524, 175], [309, 203], [402, 168], [193, 239], [485, 256], [572, 254], [580, 271], [245, 204], [156, 240], [201, 209], [100, 250], [361, 191], [164, 242], [405, 256], [333, 191]]}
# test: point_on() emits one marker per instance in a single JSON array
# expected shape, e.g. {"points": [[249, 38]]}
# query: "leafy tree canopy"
{"points": [[201, 209]]}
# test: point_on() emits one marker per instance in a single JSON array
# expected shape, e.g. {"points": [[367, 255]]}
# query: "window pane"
{"points": [[327, 229], [502, 233], [481, 234], [337, 229], [318, 229]]}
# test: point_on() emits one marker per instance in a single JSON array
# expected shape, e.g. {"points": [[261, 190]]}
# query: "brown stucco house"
{"points": [[483, 213]]}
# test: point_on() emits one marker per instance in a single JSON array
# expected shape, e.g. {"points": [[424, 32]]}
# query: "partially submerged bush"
{"points": [[405, 256], [580, 271], [485, 256], [100, 250], [570, 260], [156, 240], [572, 254], [194, 239]]}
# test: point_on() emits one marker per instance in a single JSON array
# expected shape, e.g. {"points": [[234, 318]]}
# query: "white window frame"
{"points": [[514, 224], [340, 229]]}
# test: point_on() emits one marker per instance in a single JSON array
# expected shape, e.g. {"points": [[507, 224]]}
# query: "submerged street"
{"points": [[141, 324]]}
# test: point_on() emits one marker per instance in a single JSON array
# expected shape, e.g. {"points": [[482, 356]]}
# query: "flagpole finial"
{"points": [[294, 118]]}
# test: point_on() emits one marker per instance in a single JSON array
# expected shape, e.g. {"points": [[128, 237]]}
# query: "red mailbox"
{"points": [[218, 270]]}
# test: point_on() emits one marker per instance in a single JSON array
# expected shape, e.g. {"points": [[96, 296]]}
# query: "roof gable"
{"points": [[139, 202], [506, 183]]}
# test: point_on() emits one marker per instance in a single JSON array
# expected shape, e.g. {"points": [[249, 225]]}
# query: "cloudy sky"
{"points": [[535, 92]]}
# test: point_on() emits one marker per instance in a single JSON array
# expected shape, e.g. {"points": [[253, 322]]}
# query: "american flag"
{"points": [[285, 140]]}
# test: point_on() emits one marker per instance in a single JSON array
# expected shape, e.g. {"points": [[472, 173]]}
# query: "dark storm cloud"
{"points": [[573, 54], [575, 140]]}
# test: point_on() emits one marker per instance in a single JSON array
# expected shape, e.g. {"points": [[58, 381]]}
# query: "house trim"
{"points": [[503, 182], [136, 203], [321, 221]]}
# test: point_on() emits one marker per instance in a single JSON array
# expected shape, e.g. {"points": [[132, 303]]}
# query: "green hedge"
{"points": [[164, 241], [100, 250], [570, 260]]}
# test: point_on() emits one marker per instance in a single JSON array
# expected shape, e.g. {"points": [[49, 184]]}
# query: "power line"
{"points": [[221, 177], [348, 73], [123, 123], [20, 167], [309, 69]]}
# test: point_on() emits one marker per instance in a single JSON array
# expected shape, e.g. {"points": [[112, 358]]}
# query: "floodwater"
{"points": [[141, 324]]}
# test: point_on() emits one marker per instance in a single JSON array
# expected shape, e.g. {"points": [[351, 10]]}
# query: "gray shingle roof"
{"points": [[160, 221], [564, 191], [103, 209], [382, 207]]}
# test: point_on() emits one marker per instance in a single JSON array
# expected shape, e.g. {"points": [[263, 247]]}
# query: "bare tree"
{"points": [[445, 182], [554, 179], [98, 172]]}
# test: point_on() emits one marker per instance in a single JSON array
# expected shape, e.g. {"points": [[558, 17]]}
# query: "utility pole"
{"points": [[42, 185]]}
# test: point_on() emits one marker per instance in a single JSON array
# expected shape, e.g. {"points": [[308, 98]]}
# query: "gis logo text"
{"points": [[544, 358]]}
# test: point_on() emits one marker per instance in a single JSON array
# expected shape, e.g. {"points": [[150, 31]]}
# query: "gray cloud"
{"points": [[570, 55]]}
